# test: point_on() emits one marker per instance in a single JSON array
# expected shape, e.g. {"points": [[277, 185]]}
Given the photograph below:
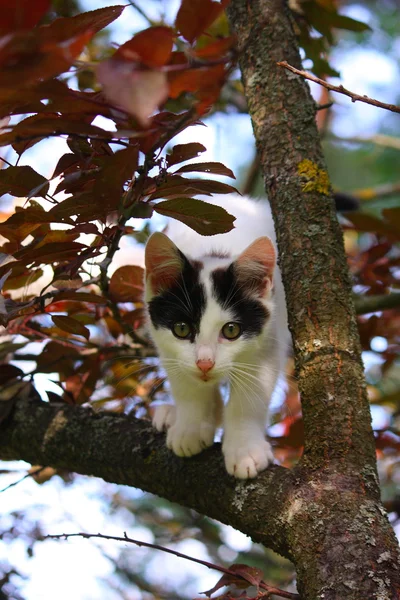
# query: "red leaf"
{"points": [[138, 92], [193, 80], [215, 49], [207, 167], [205, 218], [126, 284], [70, 325], [44, 52], [195, 16], [21, 14], [68, 27], [182, 152], [151, 47]]}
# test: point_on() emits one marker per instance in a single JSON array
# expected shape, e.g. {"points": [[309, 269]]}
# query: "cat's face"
{"points": [[207, 315]]}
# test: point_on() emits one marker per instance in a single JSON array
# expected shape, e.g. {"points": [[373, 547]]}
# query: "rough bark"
{"points": [[128, 451], [333, 534]]}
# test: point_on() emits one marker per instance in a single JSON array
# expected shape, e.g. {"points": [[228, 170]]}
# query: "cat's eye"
{"points": [[181, 330], [231, 331]]}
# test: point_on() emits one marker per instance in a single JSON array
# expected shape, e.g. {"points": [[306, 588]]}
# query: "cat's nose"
{"points": [[205, 365]]}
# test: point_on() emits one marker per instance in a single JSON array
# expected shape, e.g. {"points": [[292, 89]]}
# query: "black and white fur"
{"points": [[208, 281]]}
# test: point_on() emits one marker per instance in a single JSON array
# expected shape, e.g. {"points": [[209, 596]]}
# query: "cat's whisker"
{"points": [[245, 390]]}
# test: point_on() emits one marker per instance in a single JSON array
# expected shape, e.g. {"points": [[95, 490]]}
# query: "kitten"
{"points": [[217, 313]]}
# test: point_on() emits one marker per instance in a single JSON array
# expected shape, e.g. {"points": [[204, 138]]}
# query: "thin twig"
{"points": [[340, 89], [268, 588], [31, 474], [141, 12]]}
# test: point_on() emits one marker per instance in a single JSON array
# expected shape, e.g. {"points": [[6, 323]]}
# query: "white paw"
{"points": [[187, 439], [164, 416], [246, 460]]}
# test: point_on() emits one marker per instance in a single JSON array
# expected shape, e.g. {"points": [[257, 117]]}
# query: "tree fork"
{"points": [[342, 543]]}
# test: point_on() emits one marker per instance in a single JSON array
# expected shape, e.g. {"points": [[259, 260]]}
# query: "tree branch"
{"points": [[128, 451], [340, 89], [369, 304]]}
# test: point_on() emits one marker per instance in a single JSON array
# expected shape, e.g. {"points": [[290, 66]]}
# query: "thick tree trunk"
{"points": [[340, 539]]}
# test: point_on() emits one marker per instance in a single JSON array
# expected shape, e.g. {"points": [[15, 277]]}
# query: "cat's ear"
{"points": [[163, 261], [255, 266]]}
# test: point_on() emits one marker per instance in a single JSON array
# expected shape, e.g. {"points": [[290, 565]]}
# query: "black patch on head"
{"points": [[249, 312], [184, 301]]}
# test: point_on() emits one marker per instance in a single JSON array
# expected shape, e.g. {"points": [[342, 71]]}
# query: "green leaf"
{"points": [[70, 325], [205, 218]]}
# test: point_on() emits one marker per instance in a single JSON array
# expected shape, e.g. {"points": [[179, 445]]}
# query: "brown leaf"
{"points": [[127, 284], [22, 181], [182, 152], [216, 168], [51, 126], [195, 16], [70, 325], [205, 218], [151, 47], [135, 318], [41, 474], [180, 186], [242, 576], [78, 296], [22, 277], [116, 170], [366, 222], [8, 372], [49, 253]]}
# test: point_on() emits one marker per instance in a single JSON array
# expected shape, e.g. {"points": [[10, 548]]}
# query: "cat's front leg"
{"points": [[196, 415], [245, 449]]}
